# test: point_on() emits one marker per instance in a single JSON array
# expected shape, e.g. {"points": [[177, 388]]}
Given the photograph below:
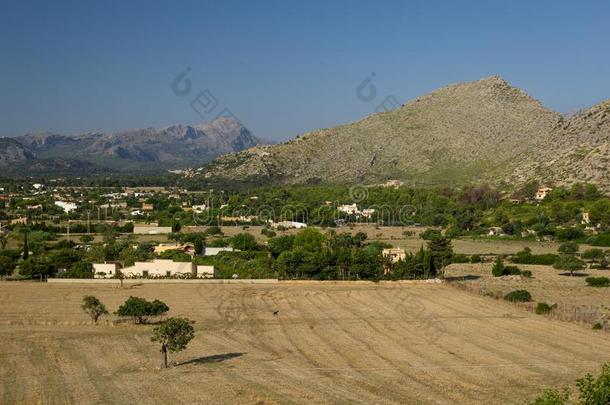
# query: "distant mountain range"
{"points": [[141, 150], [481, 131]]}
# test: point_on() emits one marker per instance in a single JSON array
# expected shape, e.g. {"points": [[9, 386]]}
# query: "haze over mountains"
{"points": [[486, 130], [140, 149]]}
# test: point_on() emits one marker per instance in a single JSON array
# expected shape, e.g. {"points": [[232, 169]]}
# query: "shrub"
{"points": [[498, 268], [544, 308], [518, 296], [526, 257], [460, 258], [475, 259], [598, 281], [140, 309], [598, 326], [526, 273], [429, 234], [512, 270], [268, 233]]}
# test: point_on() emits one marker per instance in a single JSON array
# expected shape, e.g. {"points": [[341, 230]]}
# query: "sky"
{"points": [[282, 67]]}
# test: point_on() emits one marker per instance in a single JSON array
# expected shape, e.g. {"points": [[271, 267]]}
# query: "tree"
{"points": [[176, 227], [498, 268], [26, 247], [198, 246], [80, 270], [93, 307], [3, 241], [568, 248], [174, 334], [120, 276], [441, 251], [140, 309], [244, 241], [569, 263], [7, 265]]}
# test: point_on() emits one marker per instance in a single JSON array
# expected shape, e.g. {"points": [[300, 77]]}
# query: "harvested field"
{"points": [[386, 343]]}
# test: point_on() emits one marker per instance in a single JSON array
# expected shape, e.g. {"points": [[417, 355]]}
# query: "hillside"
{"points": [[12, 151], [576, 150], [476, 131], [146, 149]]}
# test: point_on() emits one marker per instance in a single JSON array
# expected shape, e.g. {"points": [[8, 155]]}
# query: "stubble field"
{"points": [[329, 343]]}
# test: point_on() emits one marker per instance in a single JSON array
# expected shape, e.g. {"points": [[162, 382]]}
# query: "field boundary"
{"points": [[237, 281]]}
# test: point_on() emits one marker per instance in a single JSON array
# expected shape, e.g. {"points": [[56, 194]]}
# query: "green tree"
{"points": [[26, 247], [174, 334], [7, 265], [140, 309], [498, 268], [198, 246], [93, 307], [244, 241], [80, 270], [569, 263], [441, 250], [568, 248]]}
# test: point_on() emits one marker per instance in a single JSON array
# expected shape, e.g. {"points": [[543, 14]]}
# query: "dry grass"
{"points": [[575, 300], [329, 344]]}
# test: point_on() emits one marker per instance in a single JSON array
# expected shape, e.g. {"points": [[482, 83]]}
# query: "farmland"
{"points": [[329, 342]]}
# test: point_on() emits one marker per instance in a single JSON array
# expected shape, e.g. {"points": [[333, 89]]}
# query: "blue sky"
{"points": [[283, 67]]}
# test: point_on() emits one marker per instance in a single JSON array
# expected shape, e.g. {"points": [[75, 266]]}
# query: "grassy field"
{"points": [[365, 343], [575, 300]]}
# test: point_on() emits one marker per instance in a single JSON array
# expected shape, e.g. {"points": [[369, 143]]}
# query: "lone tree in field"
{"points": [[140, 310], [442, 252], [120, 276], [173, 334], [569, 263], [93, 307]]}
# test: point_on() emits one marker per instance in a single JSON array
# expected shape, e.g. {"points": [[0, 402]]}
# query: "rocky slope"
{"points": [[476, 131], [575, 150], [12, 152]]}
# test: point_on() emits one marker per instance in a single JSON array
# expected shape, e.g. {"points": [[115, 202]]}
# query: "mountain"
{"points": [[145, 149], [475, 131], [577, 149], [12, 152]]}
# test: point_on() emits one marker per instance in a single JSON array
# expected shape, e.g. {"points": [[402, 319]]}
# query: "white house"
{"points": [[198, 209], [289, 224], [350, 209], [213, 251], [66, 206], [155, 268], [542, 193]]}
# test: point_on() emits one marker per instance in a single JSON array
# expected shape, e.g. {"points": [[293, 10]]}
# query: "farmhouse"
{"points": [[155, 268], [542, 193], [395, 254]]}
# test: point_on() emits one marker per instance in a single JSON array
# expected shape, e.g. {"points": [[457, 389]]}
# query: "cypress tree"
{"points": [[26, 248]]}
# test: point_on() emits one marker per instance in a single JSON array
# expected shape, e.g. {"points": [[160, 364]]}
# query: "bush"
{"points": [[268, 233], [526, 273], [498, 268], [512, 270], [518, 296], [140, 309], [544, 308], [460, 258], [598, 326], [475, 259], [526, 257], [598, 281]]}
